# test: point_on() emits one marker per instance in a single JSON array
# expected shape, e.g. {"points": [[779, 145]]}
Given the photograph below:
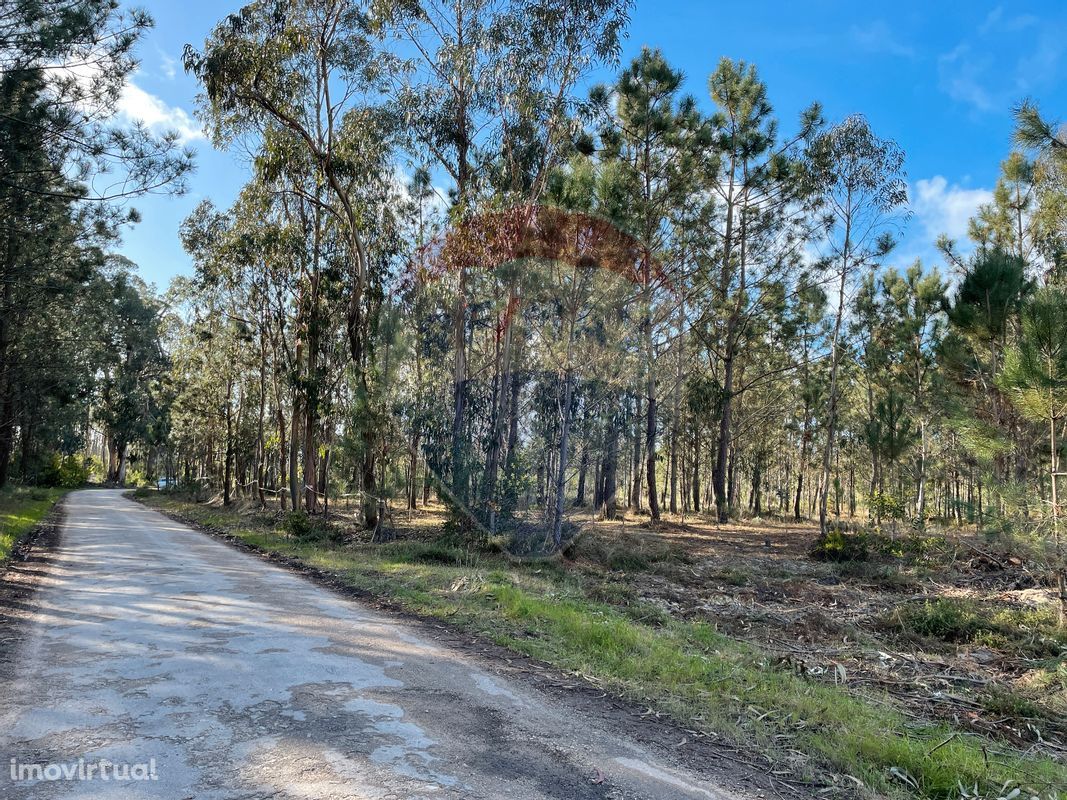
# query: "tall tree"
{"points": [[757, 180], [651, 132], [862, 184], [66, 162], [1035, 377]]}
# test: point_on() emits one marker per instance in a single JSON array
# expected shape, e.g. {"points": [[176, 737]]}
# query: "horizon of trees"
{"points": [[619, 301]]}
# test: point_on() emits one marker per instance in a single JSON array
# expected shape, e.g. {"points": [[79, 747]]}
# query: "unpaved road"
{"points": [[148, 643]]}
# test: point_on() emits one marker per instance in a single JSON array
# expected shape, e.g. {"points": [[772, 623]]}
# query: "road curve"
{"points": [[223, 676]]}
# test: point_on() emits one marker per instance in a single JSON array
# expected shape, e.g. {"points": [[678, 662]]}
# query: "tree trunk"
{"points": [[697, 488], [120, 476], [635, 491], [583, 469], [835, 358], [920, 501], [561, 467], [227, 469], [650, 448], [719, 471], [609, 471], [294, 455]]}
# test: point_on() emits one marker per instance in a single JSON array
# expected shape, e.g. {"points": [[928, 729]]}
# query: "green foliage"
{"points": [[991, 293], [837, 545], [1035, 369], [887, 505], [629, 552], [306, 528], [68, 472], [69, 163], [958, 620], [20, 510], [439, 552]]}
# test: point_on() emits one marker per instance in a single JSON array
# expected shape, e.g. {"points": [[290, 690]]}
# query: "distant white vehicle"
{"points": [[166, 483]]}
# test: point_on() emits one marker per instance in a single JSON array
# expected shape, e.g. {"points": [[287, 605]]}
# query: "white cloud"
{"points": [[1005, 58], [435, 206], [134, 104], [137, 105], [943, 208], [877, 37], [168, 65], [962, 77], [996, 22]]}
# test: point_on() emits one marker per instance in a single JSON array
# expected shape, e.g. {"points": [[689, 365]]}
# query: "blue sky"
{"points": [[940, 78]]}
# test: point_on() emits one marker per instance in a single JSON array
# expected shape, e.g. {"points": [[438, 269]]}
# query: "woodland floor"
{"points": [[939, 653]]}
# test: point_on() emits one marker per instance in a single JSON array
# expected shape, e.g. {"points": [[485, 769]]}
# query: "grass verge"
{"points": [[20, 510], [706, 681]]}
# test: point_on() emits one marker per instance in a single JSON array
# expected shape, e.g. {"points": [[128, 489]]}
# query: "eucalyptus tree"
{"points": [[861, 181], [133, 366], [306, 84], [488, 89]]}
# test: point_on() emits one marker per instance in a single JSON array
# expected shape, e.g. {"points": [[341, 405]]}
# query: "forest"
{"points": [[467, 281], [618, 302]]}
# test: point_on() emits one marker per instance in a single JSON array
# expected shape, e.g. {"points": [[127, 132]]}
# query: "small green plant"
{"points": [[886, 505], [624, 561], [949, 619], [301, 525], [1032, 631], [731, 576], [438, 552], [837, 545]]}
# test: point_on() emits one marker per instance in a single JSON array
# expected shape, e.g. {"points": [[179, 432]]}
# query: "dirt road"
{"points": [[205, 672]]}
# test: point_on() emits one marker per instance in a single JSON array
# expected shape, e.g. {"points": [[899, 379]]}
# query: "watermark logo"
{"points": [[82, 770]]}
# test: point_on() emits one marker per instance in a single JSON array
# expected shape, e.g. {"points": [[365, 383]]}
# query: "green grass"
{"points": [[20, 510], [703, 679], [1033, 632]]}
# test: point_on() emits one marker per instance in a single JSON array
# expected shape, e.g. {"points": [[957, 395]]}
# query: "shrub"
{"points": [[438, 552], [837, 545], [887, 505], [629, 552], [950, 619], [1031, 631], [68, 472], [300, 525]]}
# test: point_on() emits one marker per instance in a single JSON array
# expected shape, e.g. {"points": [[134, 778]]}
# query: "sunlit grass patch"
{"points": [[20, 510]]}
